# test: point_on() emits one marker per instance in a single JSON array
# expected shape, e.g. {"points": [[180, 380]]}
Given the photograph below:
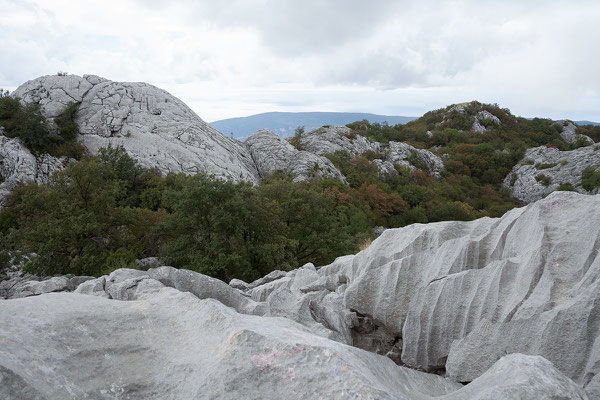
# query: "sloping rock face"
{"points": [[19, 165], [560, 167], [170, 344], [174, 345], [270, 153], [338, 138], [457, 296], [155, 128]]}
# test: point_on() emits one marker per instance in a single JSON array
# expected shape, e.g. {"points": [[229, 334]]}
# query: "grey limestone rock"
{"points": [[458, 296], [483, 115], [94, 287], [561, 167], [238, 284], [20, 284], [520, 377], [171, 344], [156, 128], [174, 345], [338, 138], [569, 132], [149, 262], [270, 154], [19, 165], [463, 294]]}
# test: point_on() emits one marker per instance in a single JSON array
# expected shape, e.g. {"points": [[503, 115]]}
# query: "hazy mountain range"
{"points": [[284, 123]]}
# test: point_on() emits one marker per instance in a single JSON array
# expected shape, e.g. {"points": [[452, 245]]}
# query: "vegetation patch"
{"points": [[590, 179], [26, 122], [546, 165], [296, 139], [543, 179]]}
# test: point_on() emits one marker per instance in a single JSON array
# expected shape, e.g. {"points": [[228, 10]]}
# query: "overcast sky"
{"points": [[240, 57]]}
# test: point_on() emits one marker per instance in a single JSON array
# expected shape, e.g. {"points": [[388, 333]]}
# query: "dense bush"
{"points": [[76, 222], [590, 179], [26, 122], [103, 212]]}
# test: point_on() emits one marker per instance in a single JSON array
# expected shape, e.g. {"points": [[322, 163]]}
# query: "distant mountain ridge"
{"points": [[284, 123], [587, 123]]}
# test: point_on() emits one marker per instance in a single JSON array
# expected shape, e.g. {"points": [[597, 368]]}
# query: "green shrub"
{"points": [[543, 179], [26, 122], [295, 140], [567, 187], [415, 160], [546, 165], [590, 179]]}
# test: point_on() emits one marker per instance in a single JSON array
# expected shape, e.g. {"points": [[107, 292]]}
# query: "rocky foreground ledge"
{"points": [[505, 308]]}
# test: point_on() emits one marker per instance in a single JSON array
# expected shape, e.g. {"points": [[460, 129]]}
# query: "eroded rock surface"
{"points": [[19, 165], [569, 133], [174, 345], [270, 154], [156, 128], [339, 138], [460, 295], [171, 344], [527, 179]]}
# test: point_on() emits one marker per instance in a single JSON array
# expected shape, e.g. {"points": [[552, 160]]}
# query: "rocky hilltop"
{"points": [[156, 128], [501, 307], [160, 131]]}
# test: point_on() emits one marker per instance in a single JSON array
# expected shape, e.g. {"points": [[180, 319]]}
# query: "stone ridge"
{"points": [[270, 153], [156, 128], [339, 138], [161, 132], [560, 167]]}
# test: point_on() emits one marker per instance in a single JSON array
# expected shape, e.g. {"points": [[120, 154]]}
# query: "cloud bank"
{"points": [[226, 59]]}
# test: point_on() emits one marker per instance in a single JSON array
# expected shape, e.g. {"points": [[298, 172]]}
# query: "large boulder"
{"points": [[270, 154], [173, 345], [543, 169], [481, 117], [331, 139], [156, 128]]}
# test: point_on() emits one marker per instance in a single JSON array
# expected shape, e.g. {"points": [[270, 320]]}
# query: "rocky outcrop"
{"points": [[331, 139], [171, 344], [569, 133], [482, 116], [270, 153], [543, 169], [156, 128], [17, 284], [160, 131], [19, 165], [457, 296], [509, 304], [340, 139]]}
